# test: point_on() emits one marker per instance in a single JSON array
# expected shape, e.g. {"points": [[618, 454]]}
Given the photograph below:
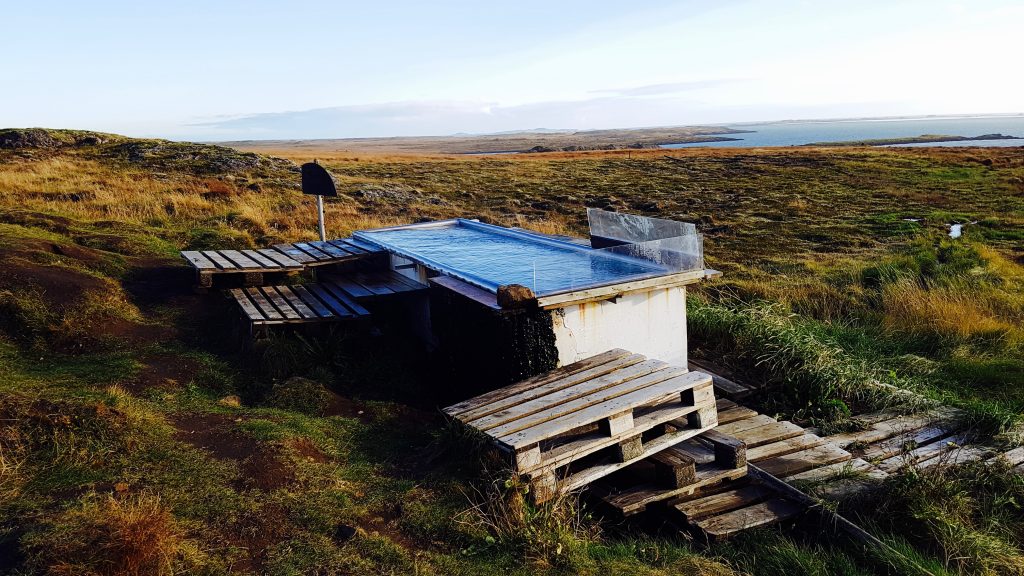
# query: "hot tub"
{"points": [[630, 294]]}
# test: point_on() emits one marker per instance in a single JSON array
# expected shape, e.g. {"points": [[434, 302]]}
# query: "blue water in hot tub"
{"points": [[491, 256]]}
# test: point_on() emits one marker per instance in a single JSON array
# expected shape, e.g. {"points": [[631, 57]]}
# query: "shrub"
{"points": [[301, 395], [105, 536]]}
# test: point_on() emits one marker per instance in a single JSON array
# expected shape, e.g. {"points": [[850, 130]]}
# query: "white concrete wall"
{"points": [[649, 323]]}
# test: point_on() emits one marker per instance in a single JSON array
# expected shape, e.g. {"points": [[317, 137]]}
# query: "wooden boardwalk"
{"points": [[281, 258]]}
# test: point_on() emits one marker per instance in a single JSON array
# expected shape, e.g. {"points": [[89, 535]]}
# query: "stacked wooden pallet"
{"points": [[579, 423], [281, 258], [691, 467]]}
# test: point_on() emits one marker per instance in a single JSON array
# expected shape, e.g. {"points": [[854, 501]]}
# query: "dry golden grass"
{"points": [[955, 312], [133, 536]]}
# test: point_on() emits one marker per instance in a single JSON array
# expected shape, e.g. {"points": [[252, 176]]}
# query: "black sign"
{"points": [[316, 180]]}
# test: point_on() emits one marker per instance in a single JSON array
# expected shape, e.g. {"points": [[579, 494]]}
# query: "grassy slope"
{"points": [[115, 371]]}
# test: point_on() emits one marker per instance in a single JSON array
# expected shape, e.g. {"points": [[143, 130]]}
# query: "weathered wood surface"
{"points": [[279, 258], [272, 305], [373, 285], [597, 409]]}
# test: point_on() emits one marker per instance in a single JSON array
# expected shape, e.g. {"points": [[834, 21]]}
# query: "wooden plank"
{"points": [[345, 299], [281, 259], [294, 253], [824, 473], [260, 259], [723, 502], [906, 442], [724, 385], [724, 404], [247, 306], [584, 477], [240, 259], [220, 260], [922, 453], [196, 258], [606, 292], [730, 452], [960, 455], [772, 432], [590, 443], [1011, 457], [783, 447], [375, 284], [557, 379], [735, 413], [318, 255], [637, 498], [264, 305], [881, 430], [312, 301], [804, 460], [734, 428], [763, 514], [402, 283], [279, 301], [370, 248], [574, 398], [697, 450], [656, 393], [351, 288], [296, 302], [350, 248], [330, 301], [466, 290], [331, 250]]}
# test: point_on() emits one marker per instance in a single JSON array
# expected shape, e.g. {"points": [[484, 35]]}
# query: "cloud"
{"points": [[668, 88], [430, 118]]}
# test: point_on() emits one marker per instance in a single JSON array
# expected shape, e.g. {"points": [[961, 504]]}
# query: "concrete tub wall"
{"points": [[650, 323]]}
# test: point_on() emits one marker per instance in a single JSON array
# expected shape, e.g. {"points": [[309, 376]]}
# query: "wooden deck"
{"points": [[277, 259], [569, 427], [336, 298]]}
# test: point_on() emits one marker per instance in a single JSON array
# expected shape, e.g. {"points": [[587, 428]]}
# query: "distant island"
{"points": [[922, 139]]}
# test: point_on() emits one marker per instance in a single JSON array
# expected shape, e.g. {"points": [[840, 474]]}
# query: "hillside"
{"points": [[139, 435]]}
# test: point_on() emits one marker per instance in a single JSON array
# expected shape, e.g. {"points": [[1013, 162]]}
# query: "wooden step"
{"points": [[797, 462], [768, 433], [722, 502], [637, 498], [762, 514]]}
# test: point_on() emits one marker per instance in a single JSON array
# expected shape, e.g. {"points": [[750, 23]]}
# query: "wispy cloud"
{"points": [[668, 88], [428, 118]]}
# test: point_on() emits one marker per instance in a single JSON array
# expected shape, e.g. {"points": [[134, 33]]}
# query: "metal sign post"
{"points": [[318, 182]]}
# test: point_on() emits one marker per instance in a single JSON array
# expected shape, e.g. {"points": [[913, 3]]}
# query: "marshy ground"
{"points": [[137, 435]]}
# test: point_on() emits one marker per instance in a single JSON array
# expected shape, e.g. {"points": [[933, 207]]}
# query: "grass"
{"points": [[118, 456]]}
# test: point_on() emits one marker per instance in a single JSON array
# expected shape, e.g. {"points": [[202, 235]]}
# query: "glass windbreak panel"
{"points": [[677, 254], [607, 228], [492, 256]]}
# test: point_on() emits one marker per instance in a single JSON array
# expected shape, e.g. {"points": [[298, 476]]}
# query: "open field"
{"points": [[138, 436]]}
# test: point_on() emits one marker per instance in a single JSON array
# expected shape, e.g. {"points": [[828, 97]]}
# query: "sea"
{"points": [[796, 133]]}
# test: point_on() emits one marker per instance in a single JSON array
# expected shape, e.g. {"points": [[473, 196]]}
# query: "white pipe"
{"points": [[320, 217]]}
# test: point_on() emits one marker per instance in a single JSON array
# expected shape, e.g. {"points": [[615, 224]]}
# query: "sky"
{"points": [[255, 69]]}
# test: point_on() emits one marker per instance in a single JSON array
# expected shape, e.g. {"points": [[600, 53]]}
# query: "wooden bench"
{"points": [[281, 258], [574, 425]]}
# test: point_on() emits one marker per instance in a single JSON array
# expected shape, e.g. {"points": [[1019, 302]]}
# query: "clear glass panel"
{"points": [[634, 229]]}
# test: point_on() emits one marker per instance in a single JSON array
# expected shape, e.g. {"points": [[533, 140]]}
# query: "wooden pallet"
{"points": [[370, 285], [299, 304], [566, 428], [690, 467], [333, 300], [281, 258]]}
